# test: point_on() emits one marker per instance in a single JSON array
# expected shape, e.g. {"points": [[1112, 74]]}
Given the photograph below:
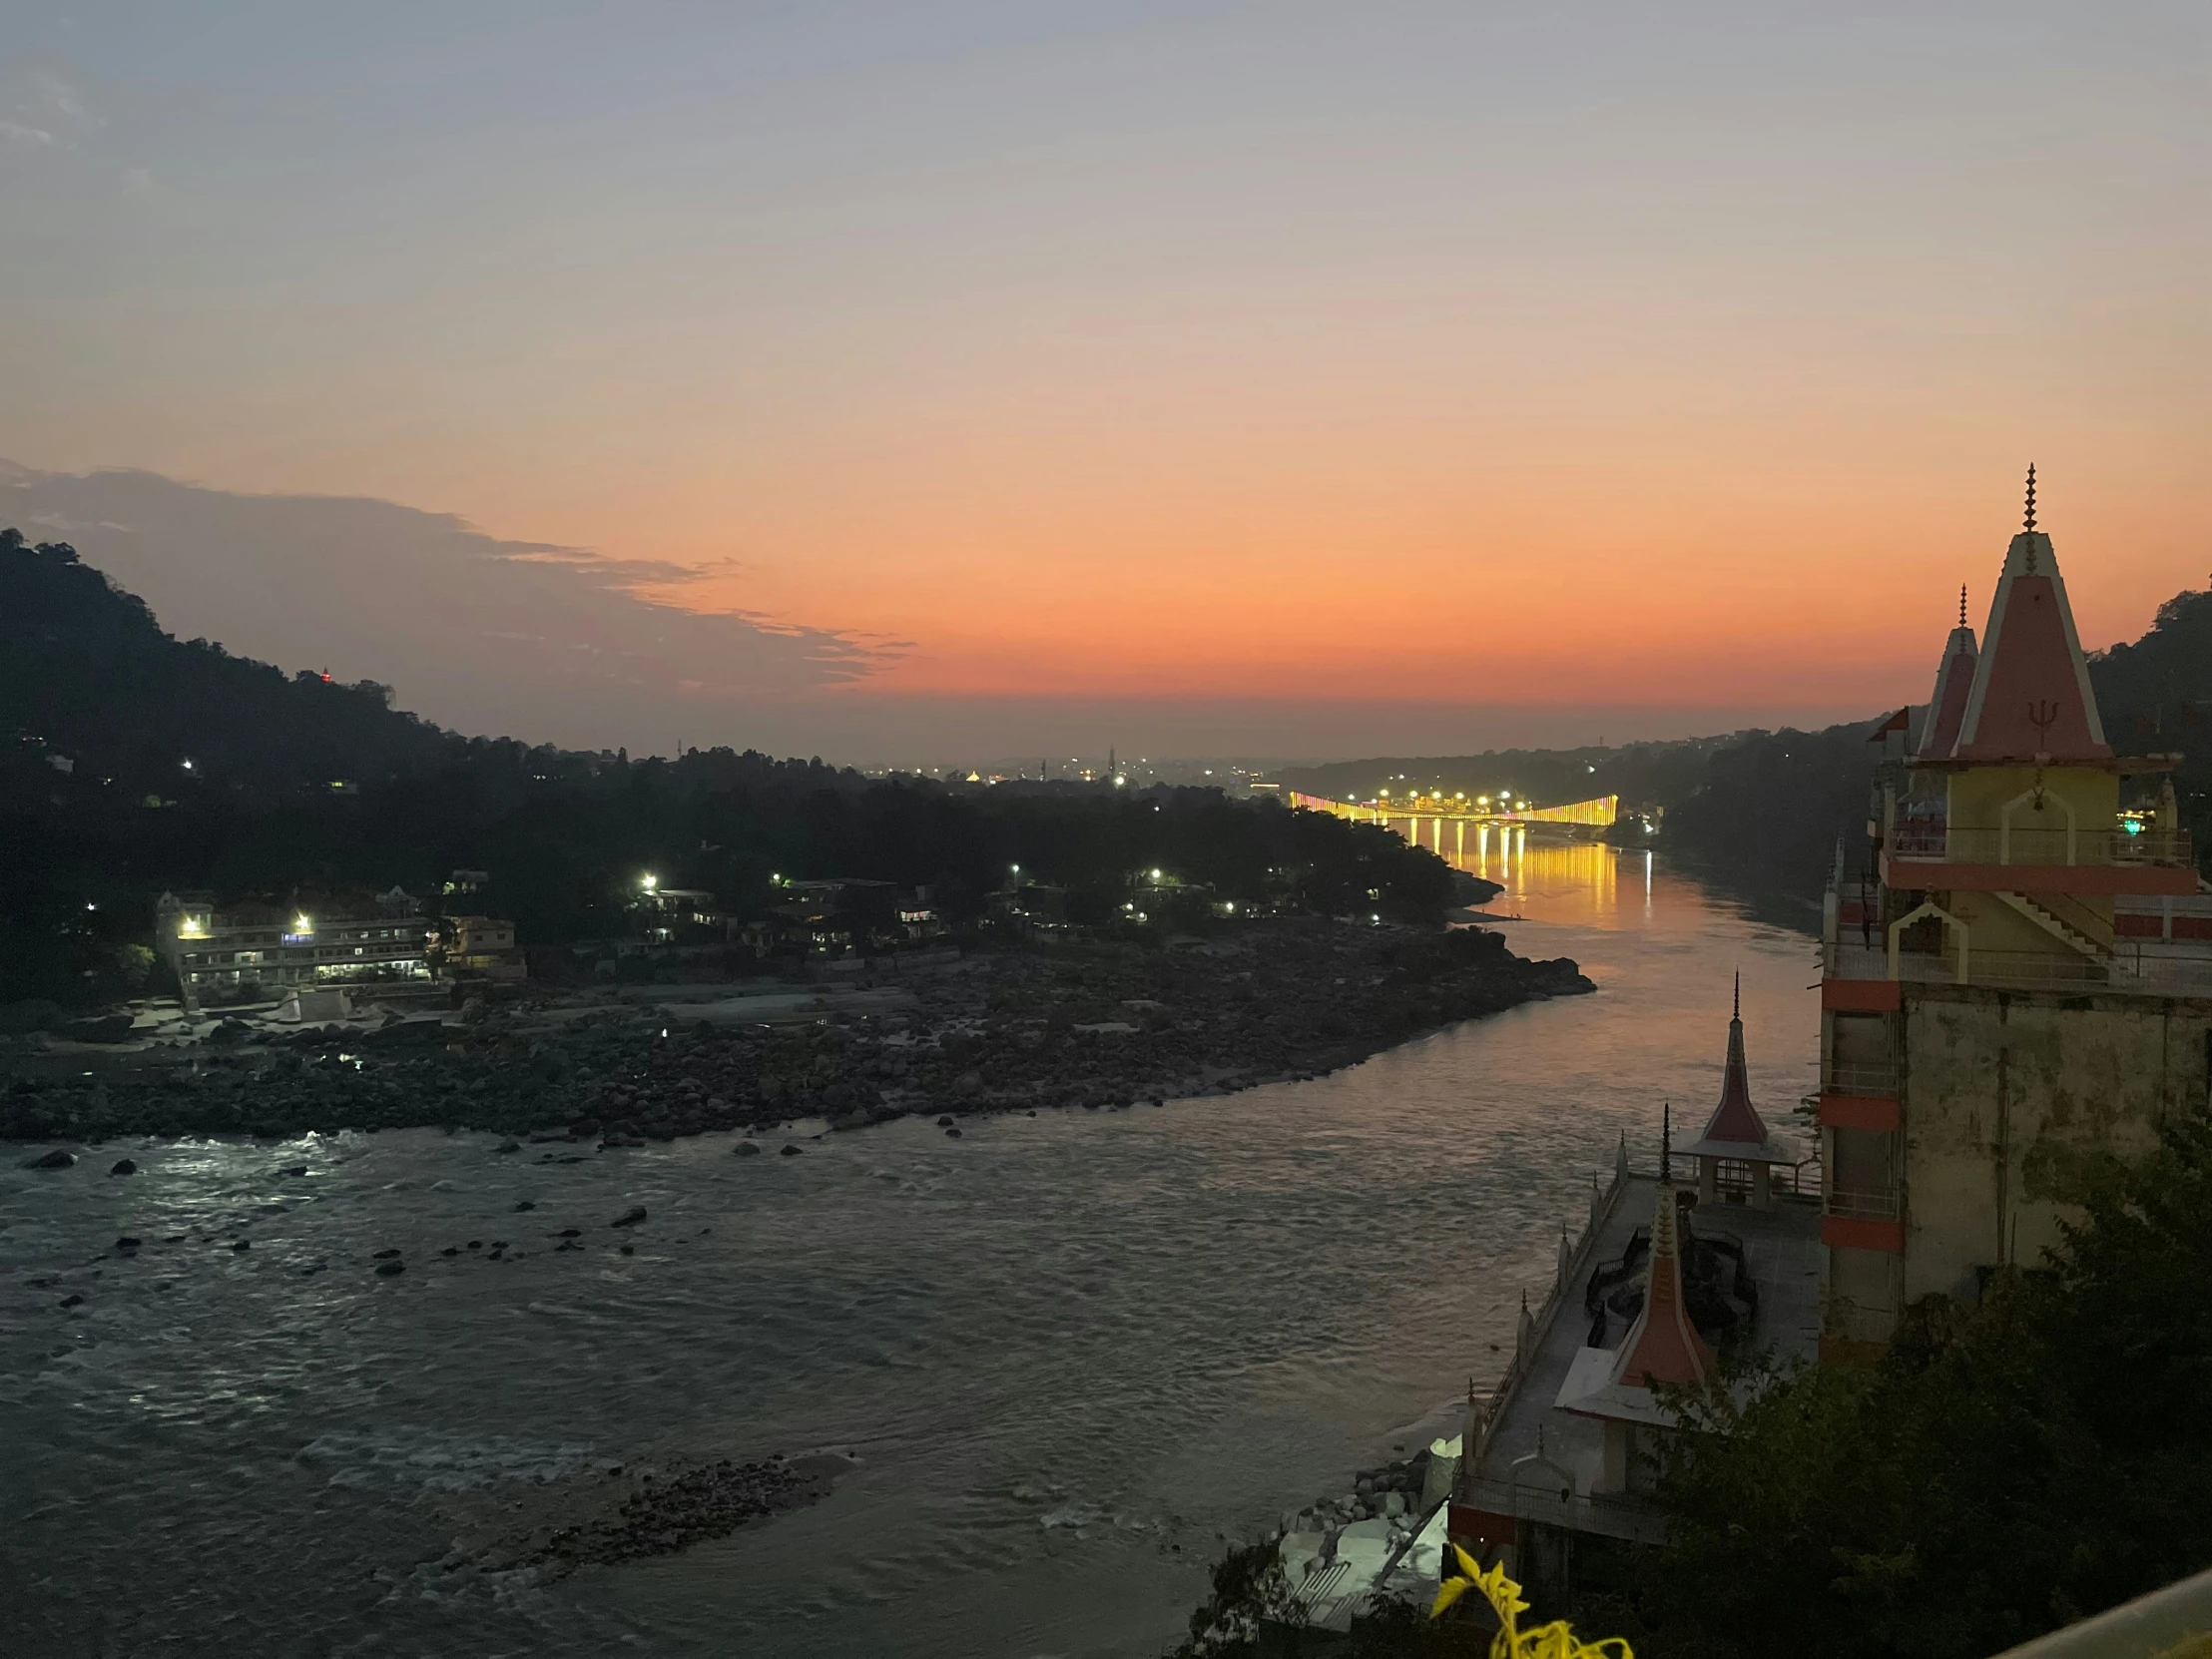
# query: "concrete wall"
{"points": [[1979, 796], [2008, 1097], [1860, 1299]]}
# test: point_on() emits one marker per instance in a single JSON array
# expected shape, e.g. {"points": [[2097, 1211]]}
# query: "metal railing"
{"points": [[1869, 1077], [1606, 1515], [1935, 842], [2135, 969], [1882, 1205], [2158, 1623]]}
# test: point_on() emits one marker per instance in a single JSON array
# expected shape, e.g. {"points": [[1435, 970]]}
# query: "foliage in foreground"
{"points": [[2000, 1474]]}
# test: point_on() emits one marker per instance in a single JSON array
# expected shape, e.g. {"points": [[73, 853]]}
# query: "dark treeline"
{"points": [[296, 785]]}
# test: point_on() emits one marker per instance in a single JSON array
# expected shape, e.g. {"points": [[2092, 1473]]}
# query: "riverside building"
{"points": [[2018, 986], [253, 946]]}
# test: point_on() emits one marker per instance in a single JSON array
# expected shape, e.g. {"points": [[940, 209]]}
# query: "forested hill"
{"points": [[298, 786], [1762, 810], [87, 672]]}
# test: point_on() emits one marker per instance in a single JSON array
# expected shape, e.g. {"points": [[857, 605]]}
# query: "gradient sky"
{"points": [[1299, 378]]}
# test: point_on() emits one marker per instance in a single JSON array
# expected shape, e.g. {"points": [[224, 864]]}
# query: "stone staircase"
{"points": [[2060, 928]]}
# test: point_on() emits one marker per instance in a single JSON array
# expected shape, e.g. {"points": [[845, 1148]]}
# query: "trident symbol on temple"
{"points": [[2043, 713]]}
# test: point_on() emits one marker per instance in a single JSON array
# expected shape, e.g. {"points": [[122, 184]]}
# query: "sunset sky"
{"points": [[1283, 378]]}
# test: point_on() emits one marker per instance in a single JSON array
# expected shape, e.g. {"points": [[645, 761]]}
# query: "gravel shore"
{"points": [[1082, 1026]]}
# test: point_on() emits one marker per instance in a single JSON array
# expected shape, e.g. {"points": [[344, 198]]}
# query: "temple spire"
{"points": [[2031, 525], [1946, 703], [1736, 1123], [2031, 700], [1663, 1345]]}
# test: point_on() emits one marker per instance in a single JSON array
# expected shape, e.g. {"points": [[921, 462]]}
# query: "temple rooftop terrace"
{"points": [[1782, 1251]]}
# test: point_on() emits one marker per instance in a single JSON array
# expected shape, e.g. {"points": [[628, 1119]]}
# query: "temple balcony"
{"points": [[2152, 967], [1872, 1078], [1879, 1205], [1932, 857], [1924, 842]]}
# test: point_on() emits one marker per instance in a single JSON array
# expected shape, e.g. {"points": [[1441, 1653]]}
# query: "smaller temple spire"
{"points": [[1961, 604], [1666, 1140], [1663, 1345], [1736, 1129], [2031, 525]]}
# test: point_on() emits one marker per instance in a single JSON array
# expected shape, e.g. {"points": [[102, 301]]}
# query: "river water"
{"points": [[1070, 1353]]}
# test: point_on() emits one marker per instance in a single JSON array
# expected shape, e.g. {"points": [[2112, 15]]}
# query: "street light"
{"points": [[649, 882]]}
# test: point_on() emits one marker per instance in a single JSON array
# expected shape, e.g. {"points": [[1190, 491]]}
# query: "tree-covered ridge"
{"points": [[99, 811], [87, 673]]}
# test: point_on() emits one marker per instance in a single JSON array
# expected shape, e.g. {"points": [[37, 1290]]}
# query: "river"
{"points": [[1071, 1353]]}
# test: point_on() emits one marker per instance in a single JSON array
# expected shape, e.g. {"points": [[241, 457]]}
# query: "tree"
{"points": [[2002, 1471]]}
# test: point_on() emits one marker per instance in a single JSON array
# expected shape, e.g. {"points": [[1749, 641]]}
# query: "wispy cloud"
{"points": [[535, 639], [42, 109]]}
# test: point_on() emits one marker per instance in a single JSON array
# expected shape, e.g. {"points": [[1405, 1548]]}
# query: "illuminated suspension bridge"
{"points": [[1422, 817]]}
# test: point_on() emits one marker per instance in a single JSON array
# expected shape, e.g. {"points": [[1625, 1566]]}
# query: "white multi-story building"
{"points": [[215, 949]]}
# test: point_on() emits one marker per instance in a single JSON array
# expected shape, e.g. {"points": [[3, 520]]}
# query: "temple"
{"points": [[1736, 1154], [1613, 1385], [1662, 1278], [2017, 981], [2015, 985]]}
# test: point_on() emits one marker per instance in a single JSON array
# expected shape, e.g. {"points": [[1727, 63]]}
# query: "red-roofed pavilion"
{"points": [[1735, 1154]]}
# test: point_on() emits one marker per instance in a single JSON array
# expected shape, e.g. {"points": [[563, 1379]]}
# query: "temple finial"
{"points": [[1961, 604], [2031, 496], [1666, 1142], [1737, 1011]]}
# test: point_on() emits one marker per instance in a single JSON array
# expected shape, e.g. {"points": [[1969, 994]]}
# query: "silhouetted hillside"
{"points": [[299, 785], [87, 672]]}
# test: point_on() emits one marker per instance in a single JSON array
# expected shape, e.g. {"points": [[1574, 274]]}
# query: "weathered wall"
{"points": [[2008, 1097], [1860, 1304]]}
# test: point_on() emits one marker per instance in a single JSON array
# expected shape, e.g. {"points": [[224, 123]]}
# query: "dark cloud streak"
{"points": [[531, 639]]}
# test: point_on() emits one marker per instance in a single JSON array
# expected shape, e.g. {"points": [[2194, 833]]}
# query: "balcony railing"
{"points": [[1866, 1077], [1882, 1205], [1928, 841], [1609, 1515], [2135, 969]]}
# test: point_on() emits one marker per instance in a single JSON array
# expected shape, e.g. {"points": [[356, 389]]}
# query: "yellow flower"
{"points": [[1549, 1641]]}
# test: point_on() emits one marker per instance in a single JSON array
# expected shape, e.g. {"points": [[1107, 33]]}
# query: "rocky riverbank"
{"points": [[1103, 1025]]}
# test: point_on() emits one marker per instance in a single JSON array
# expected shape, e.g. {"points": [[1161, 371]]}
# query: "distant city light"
{"points": [[1155, 875], [649, 882], [188, 766]]}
